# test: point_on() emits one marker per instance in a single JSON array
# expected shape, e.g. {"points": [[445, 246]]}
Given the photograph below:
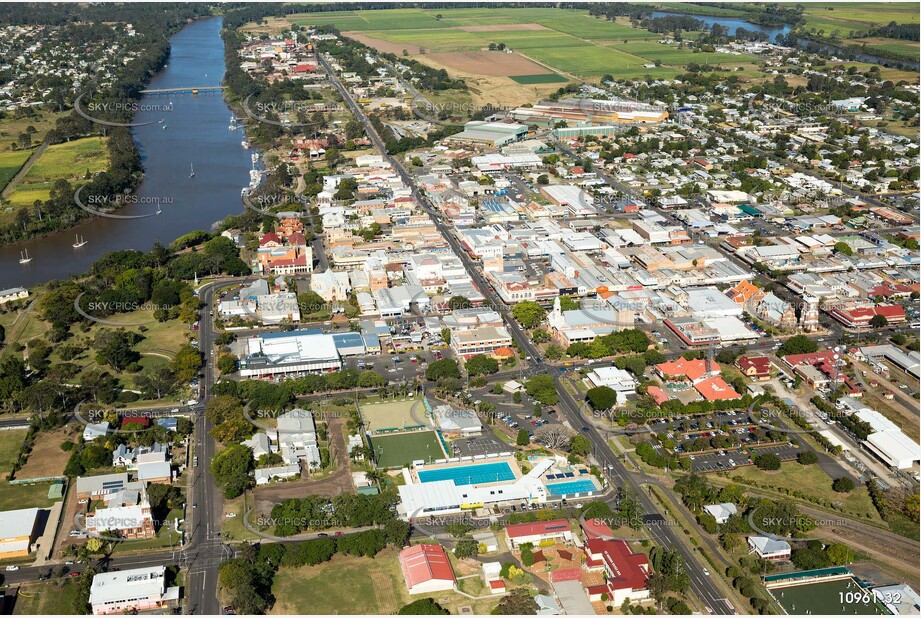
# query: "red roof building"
{"points": [[426, 568], [143, 421], [755, 367], [535, 532], [683, 369], [860, 317], [657, 394], [627, 572], [716, 389]]}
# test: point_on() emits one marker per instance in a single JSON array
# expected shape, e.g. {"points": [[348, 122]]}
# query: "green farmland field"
{"points": [[10, 164], [542, 78], [69, 161]]}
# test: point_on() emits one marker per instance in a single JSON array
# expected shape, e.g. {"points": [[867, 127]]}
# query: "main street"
{"points": [[704, 588]]}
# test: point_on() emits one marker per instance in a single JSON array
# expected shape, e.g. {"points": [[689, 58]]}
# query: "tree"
{"points": [[602, 397], [543, 179], [482, 365], [466, 548], [114, 348], [445, 335], [554, 352], [441, 369], [843, 484], [459, 302], [543, 389], [768, 461], [528, 313], [839, 554], [523, 438], [423, 607], [227, 364], [798, 344], [879, 321], [580, 445], [187, 362], [807, 458], [843, 248], [371, 379], [231, 469], [517, 603]]}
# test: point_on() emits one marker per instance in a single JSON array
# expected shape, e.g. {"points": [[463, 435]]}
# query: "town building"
{"points": [[482, 340], [626, 572], [426, 569], [289, 353], [769, 548], [18, 530], [755, 367], [721, 512], [556, 530], [131, 590]]}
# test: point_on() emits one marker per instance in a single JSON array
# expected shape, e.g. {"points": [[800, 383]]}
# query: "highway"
{"points": [[703, 587]]}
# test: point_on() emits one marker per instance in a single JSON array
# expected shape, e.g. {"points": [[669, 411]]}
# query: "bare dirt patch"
{"points": [[47, 458], [381, 45], [488, 63], [503, 27]]}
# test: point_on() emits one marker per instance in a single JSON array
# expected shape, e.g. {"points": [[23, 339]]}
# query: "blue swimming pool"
{"points": [[476, 474], [582, 486]]}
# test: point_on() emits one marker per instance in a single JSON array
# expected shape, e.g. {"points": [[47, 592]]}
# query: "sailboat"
{"points": [[78, 242], [24, 257], [192, 172]]}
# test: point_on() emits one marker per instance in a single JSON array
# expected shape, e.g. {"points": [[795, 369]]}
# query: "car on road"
{"points": [[707, 572], [195, 505], [12, 567], [322, 535]]}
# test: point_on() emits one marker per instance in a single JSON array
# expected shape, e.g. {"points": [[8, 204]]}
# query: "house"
{"points": [[95, 430], [626, 572], [18, 530], [546, 605], [722, 511], [493, 578], [297, 438], [755, 367], [769, 548], [488, 540], [265, 475], [426, 568], [259, 444], [154, 472], [120, 592], [537, 532]]}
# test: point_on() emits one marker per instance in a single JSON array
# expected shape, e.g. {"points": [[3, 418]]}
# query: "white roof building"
{"points": [[722, 511], [95, 430], [289, 352], [619, 379], [709, 302], [297, 437], [17, 529], [132, 589]]}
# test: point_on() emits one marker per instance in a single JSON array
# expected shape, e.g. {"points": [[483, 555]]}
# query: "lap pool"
{"points": [[582, 486], [477, 474]]}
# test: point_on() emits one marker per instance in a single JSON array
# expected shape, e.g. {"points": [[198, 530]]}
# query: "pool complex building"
{"points": [[476, 474]]}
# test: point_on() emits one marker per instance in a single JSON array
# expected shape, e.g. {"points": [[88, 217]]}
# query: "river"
{"points": [[732, 24], [196, 134]]}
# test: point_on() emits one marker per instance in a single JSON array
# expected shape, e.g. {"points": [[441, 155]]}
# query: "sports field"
{"points": [[841, 597], [393, 416], [401, 449]]}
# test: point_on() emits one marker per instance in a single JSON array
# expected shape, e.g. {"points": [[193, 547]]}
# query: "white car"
{"points": [[707, 572], [231, 515], [12, 567]]}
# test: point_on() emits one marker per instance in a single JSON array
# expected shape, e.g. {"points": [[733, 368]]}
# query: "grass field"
{"points": [[47, 598], [10, 164], [354, 585], [392, 415], [544, 78], [401, 449], [10, 442], [24, 496], [69, 161], [811, 480], [10, 128]]}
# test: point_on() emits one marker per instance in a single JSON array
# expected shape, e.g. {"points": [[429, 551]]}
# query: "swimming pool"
{"points": [[476, 474], [582, 486]]}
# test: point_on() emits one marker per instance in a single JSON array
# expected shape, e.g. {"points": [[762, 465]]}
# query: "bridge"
{"points": [[189, 89]]}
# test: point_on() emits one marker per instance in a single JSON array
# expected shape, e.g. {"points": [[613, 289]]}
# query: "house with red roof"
{"points": [[426, 568], [626, 572], [716, 389], [755, 367], [535, 532], [657, 394], [682, 370]]}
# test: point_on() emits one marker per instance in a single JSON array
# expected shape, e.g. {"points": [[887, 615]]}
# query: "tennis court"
{"points": [[401, 449], [394, 416]]}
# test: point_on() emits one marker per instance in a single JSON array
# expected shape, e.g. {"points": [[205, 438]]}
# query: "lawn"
{"points": [[808, 479], [24, 496], [47, 598], [879, 13], [904, 49], [10, 443], [10, 164], [398, 450], [10, 128], [70, 161]]}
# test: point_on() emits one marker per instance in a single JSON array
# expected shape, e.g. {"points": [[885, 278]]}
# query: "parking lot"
{"points": [[731, 458], [479, 445]]}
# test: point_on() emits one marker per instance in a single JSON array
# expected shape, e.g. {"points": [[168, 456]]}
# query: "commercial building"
{"points": [[627, 572], [490, 134], [125, 522], [286, 353], [17, 532], [426, 568], [482, 340], [120, 592], [620, 380], [297, 438], [591, 111]]}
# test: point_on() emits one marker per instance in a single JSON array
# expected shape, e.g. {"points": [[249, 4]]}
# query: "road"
{"points": [[705, 589]]}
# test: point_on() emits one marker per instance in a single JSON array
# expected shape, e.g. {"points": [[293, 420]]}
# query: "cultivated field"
{"points": [[10, 164], [401, 449], [491, 63]]}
